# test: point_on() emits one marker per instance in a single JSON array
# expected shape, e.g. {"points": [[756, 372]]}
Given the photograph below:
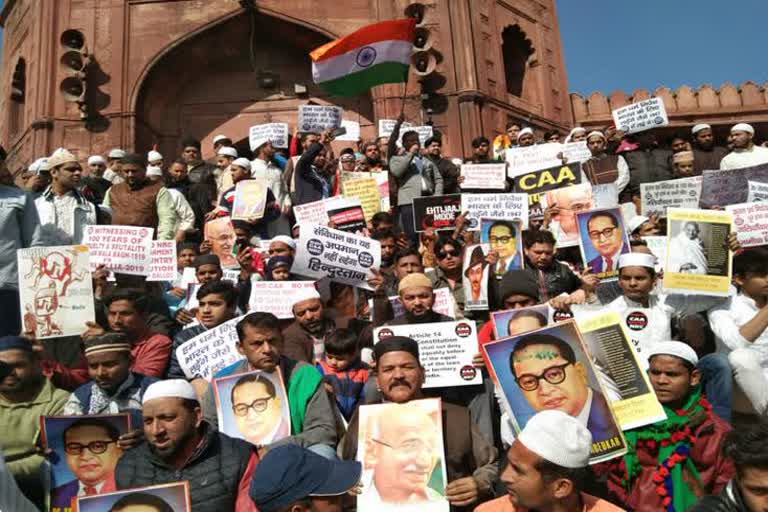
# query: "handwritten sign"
{"points": [[533, 158], [121, 249], [316, 212], [758, 192], [641, 116], [211, 351], [277, 133], [366, 190], [163, 261], [342, 257], [494, 206], [730, 186], [576, 151], [445, 350], [490, 176], [278, 297], [353, 131], [316, 118], [387, 125], [680, 193], [750, 220]]}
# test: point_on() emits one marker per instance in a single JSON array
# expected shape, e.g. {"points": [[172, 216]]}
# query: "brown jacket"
{"points": [[298, 343], [134, 207]]}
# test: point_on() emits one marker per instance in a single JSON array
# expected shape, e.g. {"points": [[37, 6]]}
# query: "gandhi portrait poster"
{"points": [[253, 406], [549, 369], [171, 497], [401, 449]]}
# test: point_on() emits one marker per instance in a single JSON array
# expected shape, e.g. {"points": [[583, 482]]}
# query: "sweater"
{"points": [[348, 385]]}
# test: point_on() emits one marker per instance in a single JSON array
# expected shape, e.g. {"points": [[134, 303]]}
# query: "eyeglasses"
{"points": [[95, 447], [442, 254], [553, 375], [606, 233], [411, 446], [500, 239], [259, 405]]}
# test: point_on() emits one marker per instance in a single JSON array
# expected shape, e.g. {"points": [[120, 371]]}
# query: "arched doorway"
{"points": [[218, 82]]}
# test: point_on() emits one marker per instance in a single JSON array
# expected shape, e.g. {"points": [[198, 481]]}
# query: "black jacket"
{"points": [[729, 500], [309, 184], [646, 166], [557, 279]]}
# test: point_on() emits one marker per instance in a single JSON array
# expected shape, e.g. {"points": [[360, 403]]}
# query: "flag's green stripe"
{"points": [[358, 83]]}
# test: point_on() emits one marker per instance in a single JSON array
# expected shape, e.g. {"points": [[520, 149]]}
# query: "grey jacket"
{"points": [[19, 228], [408, 176], [319, 418]]}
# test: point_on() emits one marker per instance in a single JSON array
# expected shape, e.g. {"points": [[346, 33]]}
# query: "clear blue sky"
{"points": [[619, 44]]}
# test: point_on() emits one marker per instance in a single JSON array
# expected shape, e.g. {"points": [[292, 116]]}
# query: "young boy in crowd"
{"points": [[343, 371], [176, 291]]}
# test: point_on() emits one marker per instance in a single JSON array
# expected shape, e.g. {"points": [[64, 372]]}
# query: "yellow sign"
{"points": [[367, 191]]}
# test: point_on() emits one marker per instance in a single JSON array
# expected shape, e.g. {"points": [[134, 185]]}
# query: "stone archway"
{"points": [[212, 83]]}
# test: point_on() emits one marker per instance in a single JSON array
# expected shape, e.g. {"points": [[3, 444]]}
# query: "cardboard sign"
{"points": [[436, 212], [316, 212], [576, 152], [658, 246], [163, 261], [536, 182], [533, 158], [317, 118], [730, 186], [221, 234], [342, 257], [347, 218], [602, 240], [484, 176], [211, 351], [679, 193], [353, 131], [387, 125], [382, 184], [641, 116], [250, 200], [505, 237], [570, 201], [121, 249], [475, 277], [698, 258], [750, 220], [277, 133], [366, 190], [758, 192], [55, 290], [278, 297], [494, 206], [445, 350], [174, 496]]}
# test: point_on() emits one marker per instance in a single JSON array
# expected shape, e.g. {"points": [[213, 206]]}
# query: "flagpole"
{"points": [[405, 91]]}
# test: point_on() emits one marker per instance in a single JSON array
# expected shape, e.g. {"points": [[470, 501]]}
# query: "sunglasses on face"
{"points": [[442, 253]]}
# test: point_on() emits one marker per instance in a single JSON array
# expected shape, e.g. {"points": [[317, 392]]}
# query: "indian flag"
{"points": [[376, 54]]}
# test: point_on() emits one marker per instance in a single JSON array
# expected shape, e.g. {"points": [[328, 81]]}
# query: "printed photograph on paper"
{"points": [[602, 239], [173, 497], [506, 238]]}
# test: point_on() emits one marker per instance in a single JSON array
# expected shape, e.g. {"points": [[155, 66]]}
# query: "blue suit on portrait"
{"points": [[596, 263], [515, 263], [600, 422], [62, 495]]}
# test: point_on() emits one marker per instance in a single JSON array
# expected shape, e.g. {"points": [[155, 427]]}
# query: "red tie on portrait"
{"points": [[608, 264], [90, 490]]}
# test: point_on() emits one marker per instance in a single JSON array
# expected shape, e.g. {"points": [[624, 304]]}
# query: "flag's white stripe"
{"points": [[393, 50]]}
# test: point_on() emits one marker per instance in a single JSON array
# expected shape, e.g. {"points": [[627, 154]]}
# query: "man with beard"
{"points": [[470, 459], [224, 157], [140, 202], [447, 169], [706, 155], [553, 277], [603, 167], [647, 164], [388, 241], [182, 446], [372, 156], [449, 254], [94, 183], [198, 170], [305, 337], [418, 298], [313, 422], [481, 151], [262, 168], [744, 153]]}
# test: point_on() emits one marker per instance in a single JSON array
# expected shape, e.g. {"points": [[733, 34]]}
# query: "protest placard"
{"points": [[237, 397], [505, 237], [387, 125], [420, 447], [382, 184], [494, 206], [277, 133], [210, 351], [250, 200], [750, 221], [173, 496], [436, 212], [121, 249], [55, 290], [278, 297], [537, 182], [602, 240], [658, 246], [221, 234], [445, 350], [523, 160], [353, 131], [730, 186], [347, 218], [656, 197], [475, 277], [640, 116], [698, 258], [163, 266], [521, 363], [316, 212], [366, 190], [342, 257], [569, 201], [424, 132], [511, 322], [629, 210], [484, 176], [758, 192], [70, 472], [605, 195], [317, 118], [576, 151], [620, 370]]}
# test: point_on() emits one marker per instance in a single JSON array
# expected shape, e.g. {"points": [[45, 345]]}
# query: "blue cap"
{"points": [[15, 343], [289, 473]]}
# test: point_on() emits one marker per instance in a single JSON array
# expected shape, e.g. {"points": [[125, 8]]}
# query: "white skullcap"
{"points": [[171, 388], [637, 259], [701, 126], [635, 222], [743, 127], [96, 159], [558, 438], [306, 294], [242, 162], [154, 156], [578, 129], [525, 130], [258, 143], [59, 157], [116, 153], [596, 134], [220, 137], [227, 151], [153, 170], [37, 166], [290, 242], [674, 348]]}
